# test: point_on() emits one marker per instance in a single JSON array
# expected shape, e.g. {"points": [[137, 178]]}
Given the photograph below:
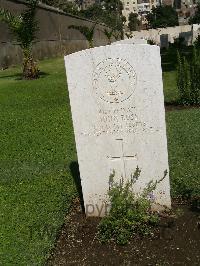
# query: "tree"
{"points": [[196, 18], [87, 32], [66, 6], [133, 21], [24, 28], [107, 12], [113, 5], [162, 17]]}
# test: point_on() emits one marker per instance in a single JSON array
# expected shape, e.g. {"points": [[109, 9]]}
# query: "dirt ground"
{"points": [[176, 241]]}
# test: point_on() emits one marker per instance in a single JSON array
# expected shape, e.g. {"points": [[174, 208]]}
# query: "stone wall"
{"points": [[159, 36], [53, 39]]}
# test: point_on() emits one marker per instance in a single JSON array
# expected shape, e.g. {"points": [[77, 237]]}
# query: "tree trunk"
{"points": [[30, 70], [91, 45]]}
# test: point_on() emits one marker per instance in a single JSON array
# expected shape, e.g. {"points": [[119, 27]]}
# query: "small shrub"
{"points": [[188, 76], [197, 42], [151, 42], [129, 213]]}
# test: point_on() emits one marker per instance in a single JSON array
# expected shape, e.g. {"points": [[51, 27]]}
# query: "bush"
{"points": [[130, 213], [151, 42], [197, 42], [179, 42], [188, 76]]}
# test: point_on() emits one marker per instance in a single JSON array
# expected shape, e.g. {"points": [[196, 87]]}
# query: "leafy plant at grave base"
{"points": [[87, 32], [24, 28], [129, 213], [188, 76]]}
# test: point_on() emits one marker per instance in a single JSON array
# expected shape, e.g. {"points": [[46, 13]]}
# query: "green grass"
{"points": [[183, 129], [37, 148], [171, 91]]}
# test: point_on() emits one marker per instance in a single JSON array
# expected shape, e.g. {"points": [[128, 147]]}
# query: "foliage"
{"points": [[162, 17], [129, 213], [112, 5], [179, 42], [24, 28], [129, 35], [197, 42], [134, 22], [196, 18], [109, 13], [87, 32], [66, 6], [188, 76], [151, 42], [183, 79], [109, 34]]}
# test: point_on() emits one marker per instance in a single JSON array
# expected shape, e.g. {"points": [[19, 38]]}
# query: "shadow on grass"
{"points": [[176, 105], [74, 169], [168, 66], [18, 76], [169, 56]]}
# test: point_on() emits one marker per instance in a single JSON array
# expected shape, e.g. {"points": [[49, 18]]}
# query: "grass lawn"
{"points": [[37, 148], [171, 91]]}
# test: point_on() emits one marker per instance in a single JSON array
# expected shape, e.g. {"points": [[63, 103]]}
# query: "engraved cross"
{"points": [[123, 157]]}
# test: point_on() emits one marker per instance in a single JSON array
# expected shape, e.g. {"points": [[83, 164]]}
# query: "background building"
{"points": [[140, 7]]}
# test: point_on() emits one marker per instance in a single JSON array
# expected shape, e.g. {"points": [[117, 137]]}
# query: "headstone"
{"points": [[195, 32], [117, 104], [164, 41], [131, 41], [186, 37]]}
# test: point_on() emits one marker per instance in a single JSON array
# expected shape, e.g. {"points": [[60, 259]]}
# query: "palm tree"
{"points": [[24, 28], [87, 32]]}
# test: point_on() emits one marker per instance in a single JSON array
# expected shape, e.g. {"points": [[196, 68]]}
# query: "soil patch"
{"points": [[175, 242]]}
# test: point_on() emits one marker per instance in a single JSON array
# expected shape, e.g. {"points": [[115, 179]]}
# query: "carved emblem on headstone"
{"points": [[114, 80]]}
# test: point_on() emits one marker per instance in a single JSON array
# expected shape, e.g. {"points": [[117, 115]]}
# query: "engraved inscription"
{"points": [[114, 80], [116, 121]]}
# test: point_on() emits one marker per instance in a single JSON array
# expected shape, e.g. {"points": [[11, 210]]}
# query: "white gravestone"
{"points": [[117, 104]]}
